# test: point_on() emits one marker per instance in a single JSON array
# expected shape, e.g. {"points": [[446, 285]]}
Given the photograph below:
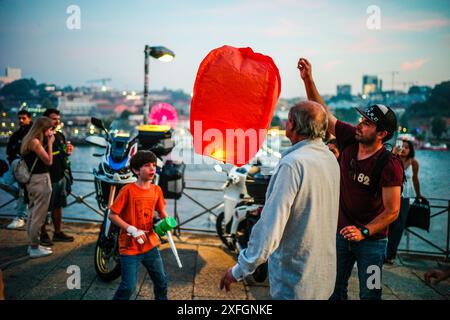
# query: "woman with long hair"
{"points": [[411, 186], [37, 150]]}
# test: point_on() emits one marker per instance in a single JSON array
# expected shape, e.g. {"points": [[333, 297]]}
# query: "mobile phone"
{"points": [[399, 145]]}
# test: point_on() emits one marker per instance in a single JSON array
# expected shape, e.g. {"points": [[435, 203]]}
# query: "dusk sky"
{"points": [[414, 39]]}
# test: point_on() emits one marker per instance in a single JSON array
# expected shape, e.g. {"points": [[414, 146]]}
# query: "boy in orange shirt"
{"points": [[133, 212]]}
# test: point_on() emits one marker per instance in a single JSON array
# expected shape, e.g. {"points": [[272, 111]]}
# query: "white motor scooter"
{"points": [[241, 212]]}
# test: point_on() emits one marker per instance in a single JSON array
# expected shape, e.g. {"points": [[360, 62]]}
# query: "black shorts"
{"points": [[59, 195]]}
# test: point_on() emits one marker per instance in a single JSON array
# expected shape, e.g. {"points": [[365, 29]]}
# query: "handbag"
{"points": [[20, 170], [419, 214]]}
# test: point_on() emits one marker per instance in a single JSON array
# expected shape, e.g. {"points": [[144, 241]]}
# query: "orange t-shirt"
{"points": [[136, 206]]}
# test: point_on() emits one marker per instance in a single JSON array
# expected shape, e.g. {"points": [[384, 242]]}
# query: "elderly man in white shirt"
{"points": [[297, 228]]}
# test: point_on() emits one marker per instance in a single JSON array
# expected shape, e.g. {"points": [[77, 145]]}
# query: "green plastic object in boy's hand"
{"points": [[167, 224]]}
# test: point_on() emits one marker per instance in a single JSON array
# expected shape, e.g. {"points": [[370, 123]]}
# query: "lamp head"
{"points": [[160, 53]]}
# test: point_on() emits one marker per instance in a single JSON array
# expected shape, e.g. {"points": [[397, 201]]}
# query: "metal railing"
{"points": [[200, 214], [81, 199], [77, 199], [440, 207]]}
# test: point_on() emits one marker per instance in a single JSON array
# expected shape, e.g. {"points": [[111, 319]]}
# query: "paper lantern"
{"points": [[234, 99]]}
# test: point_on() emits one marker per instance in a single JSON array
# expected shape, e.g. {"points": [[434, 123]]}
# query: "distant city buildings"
{"points": [[371, 84], [11, 74], [76, 104], [344, 90]]}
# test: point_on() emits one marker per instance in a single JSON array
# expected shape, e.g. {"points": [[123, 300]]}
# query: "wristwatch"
{"points": [[365, 232]]}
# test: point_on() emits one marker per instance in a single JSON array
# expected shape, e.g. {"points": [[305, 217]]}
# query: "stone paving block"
{"points": [[442, 288], [56, 281], [98, 286], [188, 258], [258, 293], [13, 237], [56, 285], [208, 286], [178, 290], [99, 293], [20, 278], [194, 239], [54, 292], [204, 260], [208, 275], [407, 286]]}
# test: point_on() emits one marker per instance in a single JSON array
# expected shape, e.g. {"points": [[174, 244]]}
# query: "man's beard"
{"points": [[368, 141]]}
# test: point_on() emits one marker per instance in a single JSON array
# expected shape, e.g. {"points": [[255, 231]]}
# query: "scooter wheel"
{"points": [[224, 230], [107, 263]]}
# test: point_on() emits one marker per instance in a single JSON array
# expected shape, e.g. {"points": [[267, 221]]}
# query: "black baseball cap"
{"points": [[381, 115]]}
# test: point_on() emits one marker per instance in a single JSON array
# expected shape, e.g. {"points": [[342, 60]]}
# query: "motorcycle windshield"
{"points": [[122, 133], [123, 128]]}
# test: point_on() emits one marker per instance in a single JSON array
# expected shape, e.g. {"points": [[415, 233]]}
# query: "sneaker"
{"points": [[40, 247], [38, 253], [62, 237], [45, 240], [16, 223], [390, 262]]}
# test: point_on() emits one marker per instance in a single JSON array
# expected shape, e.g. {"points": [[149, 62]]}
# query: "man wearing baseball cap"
{"points": [[369, 202]]}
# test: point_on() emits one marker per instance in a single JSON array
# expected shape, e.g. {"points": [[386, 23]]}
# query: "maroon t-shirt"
{"points": [[358, 205]]}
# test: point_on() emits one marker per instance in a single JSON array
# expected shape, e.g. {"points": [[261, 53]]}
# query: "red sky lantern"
{"points": [[234, 99]]}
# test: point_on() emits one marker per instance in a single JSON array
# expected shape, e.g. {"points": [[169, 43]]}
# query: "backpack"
{"points": [[380, 163], [20, 170]]}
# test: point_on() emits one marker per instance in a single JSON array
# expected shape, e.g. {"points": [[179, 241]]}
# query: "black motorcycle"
{"points": [[122, 141]]}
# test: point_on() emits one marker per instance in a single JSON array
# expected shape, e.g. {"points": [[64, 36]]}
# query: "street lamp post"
{"points": [[162, 54]]}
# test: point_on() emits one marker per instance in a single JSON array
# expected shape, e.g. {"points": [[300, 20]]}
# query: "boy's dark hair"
{"points": [[140, 158], [49, 111], [24, 113]]}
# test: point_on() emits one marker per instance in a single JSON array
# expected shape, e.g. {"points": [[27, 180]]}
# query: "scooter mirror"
{"points": [[98, 123], [218, 168], [96, 141]]}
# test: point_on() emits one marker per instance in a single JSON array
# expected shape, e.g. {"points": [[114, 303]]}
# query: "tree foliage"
{"points": [[438, 104], [438, 126]]}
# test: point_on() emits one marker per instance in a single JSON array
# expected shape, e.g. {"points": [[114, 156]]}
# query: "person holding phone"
{"points": [[37, 151], [411, 187]]}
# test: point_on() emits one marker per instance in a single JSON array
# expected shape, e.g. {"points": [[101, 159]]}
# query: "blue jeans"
{"points": [[9, 184], [130, 267], [366, 253]]}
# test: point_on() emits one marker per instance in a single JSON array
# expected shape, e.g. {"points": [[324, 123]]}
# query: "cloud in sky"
{"points": [[367, 45], [285, 29], [332, 34], [413, 65], [419, 25]]}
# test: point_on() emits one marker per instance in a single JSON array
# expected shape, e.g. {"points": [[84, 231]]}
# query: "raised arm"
{"points": [[311, 91], [45, 155]]}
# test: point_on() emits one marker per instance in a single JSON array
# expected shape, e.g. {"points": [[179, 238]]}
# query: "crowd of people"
{"points": [[45, 151], [322, 216], [328, 206]]}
